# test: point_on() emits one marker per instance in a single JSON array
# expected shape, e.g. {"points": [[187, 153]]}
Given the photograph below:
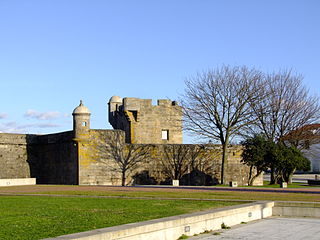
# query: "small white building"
{"points": [[313, 154], [307, 139]]}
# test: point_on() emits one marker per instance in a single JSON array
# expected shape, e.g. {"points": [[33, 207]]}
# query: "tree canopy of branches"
{"points": [[263, 153], [127, 156], [286, 107], [217, 104]]}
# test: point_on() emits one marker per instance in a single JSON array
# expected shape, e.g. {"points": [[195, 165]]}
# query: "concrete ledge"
{"points": [[296, 209], [17, 182], [171, 228]]}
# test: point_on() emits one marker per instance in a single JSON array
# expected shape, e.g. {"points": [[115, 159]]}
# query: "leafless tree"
{"points": [[127, 156], [286, 107], [216, 104]]}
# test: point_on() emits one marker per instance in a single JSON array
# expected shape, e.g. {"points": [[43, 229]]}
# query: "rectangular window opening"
{"points": [[165, 134]]}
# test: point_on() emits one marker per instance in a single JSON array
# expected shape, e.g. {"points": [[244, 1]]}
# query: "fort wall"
{"points": [[208, 164], [84, 156], [96, 167], [56, 159], [14, 156], [49, 158]]}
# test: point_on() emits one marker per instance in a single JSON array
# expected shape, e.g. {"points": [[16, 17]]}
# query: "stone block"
{"points": [[283, 184], [233, 184], [175, 183], [17, 182]]}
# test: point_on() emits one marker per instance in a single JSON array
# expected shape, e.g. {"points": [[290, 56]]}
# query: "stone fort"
{"points": [[83, 156]]}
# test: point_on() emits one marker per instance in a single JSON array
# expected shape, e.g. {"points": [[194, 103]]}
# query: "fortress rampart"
{"points": [[82, 156]]}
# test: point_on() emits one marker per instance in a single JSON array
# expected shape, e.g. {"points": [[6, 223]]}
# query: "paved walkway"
{"points": [[271, 229]]}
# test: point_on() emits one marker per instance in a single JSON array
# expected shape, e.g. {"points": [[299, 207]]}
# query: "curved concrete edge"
{"points": [[17, 182], [296, 209], [171, 228]]}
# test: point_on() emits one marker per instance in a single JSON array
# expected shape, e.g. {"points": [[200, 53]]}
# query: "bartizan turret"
{"points": [[81, 121], [114, 105]]}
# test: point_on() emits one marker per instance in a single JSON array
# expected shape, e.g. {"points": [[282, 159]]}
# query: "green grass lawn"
{"points": [[161, 193], [199, 194], [37, 217]]}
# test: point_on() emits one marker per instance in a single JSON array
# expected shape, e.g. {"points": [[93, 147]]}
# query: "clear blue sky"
{"points": [[55, 52]]}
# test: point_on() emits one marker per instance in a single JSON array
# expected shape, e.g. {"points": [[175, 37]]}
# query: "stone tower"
{"points": [[115, 103], [81, 121], [145, 123]]}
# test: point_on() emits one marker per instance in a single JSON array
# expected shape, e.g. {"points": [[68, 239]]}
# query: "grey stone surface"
{"points": [[270, 228]]}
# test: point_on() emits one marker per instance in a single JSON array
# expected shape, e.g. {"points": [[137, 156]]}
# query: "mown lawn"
{"points": [[37, 217], [196, 194]]}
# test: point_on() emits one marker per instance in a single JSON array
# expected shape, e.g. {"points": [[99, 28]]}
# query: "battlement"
{"points": [[136, 104], [144, 122]]}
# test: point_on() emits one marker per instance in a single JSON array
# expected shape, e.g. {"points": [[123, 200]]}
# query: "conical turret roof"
{"points": [[81, 109]]}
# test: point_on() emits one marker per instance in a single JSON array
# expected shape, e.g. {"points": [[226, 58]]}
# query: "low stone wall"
{"points": [[296, 209], [173, 227], [17, 182]]}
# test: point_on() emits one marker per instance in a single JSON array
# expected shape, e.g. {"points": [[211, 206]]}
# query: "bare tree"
{"points": [[127, 156], [216, 104], [286, 107]]}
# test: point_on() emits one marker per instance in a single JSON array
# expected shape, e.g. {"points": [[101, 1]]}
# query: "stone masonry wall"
{"points": [[56, 159], [14, 156], [97, 167], [48, 158], [144, 122], [151, 120], [211, 164]]}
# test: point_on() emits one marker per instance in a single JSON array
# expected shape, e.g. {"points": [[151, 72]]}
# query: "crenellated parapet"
{"points": [[145, 123]]}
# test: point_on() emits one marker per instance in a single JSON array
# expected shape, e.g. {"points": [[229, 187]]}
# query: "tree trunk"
{"points": [[250, 175], [272, 177], [224, 163], [290, 176], [123, 179], [251, 180]]}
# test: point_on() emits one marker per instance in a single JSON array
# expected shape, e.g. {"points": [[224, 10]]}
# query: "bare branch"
{"points": [[217, 103]]}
